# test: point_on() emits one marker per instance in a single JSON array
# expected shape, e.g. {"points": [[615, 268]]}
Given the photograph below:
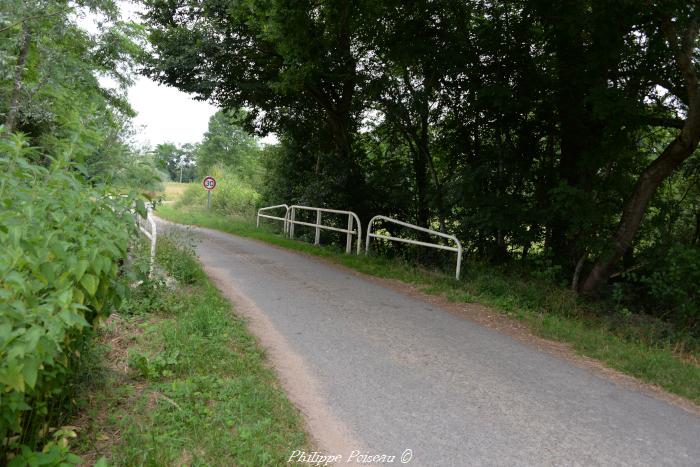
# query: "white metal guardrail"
{"points": [[147, 226], [267, 216], [350, 231], [457, 249]]}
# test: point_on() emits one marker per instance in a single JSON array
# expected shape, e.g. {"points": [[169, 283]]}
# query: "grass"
{"points": [[182, 382], [550, 311], [173, 190]]}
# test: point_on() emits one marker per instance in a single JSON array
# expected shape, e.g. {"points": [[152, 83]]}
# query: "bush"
{"points": [[671, 286], [61, 247], [232, 195], [176, 254]]}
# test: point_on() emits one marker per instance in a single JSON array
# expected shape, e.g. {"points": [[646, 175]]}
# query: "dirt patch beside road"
{"points": [[329, 434]]}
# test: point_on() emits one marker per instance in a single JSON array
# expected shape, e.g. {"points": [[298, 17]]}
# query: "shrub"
{"points": [[61, 247], [671, 286], [232, 195], [177, 255]]}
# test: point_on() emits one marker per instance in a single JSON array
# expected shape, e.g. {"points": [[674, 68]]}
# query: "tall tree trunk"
{"points": [[439, 199], [424, 147], [338, 105], [680, 149], [675, 153], [341, 130], [421, 176], [352, 181], [13, 112], [568, 32]]}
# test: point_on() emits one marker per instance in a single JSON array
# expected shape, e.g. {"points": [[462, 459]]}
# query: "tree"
{"points": [[53, 94], [257, 55], [529, 128], [167, 158], [407, 79], [681, 32], [177, 161], [63, 156], [227, 142]]}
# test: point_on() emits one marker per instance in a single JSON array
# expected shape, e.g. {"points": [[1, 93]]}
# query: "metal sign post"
{"points": [[209, 184]]}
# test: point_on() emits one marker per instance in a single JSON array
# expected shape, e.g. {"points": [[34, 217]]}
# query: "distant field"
{"points": [[173, 190]]}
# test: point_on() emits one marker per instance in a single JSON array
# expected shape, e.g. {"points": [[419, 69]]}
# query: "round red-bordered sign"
{"points": [[209, 183]]}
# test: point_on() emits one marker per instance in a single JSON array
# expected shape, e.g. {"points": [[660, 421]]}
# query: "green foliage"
{"points": [[227, 152], [177, 162], [176, 254], [147, 295], [64, 232], [523, 127], [160, 365], [55, 452], [226, 143], [52, 93], [62, 246], [200, 391], [671, 286], [129, 170], [232, 195]]}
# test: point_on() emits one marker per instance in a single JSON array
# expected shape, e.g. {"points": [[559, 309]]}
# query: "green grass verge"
{"points": [[197, 390], [552, 312]]}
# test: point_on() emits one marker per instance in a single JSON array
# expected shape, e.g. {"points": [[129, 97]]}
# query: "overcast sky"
{"points": [[165, 114]]}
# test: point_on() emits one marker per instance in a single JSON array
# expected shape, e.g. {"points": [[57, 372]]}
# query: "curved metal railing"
{"points": [[457, 249], [267, 216], [350, 231], [151, 234]]}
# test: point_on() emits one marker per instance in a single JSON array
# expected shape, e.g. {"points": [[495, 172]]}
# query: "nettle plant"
{"points": [[62, 244]]}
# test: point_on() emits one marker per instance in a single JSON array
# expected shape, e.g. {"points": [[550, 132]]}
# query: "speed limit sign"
{"points": [[209, 183]]}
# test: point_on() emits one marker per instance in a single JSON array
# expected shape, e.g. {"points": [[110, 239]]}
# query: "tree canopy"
{"points": [[50, 87], [523, 126], [226, 142]]}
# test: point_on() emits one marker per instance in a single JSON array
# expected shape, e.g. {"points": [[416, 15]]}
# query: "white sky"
{"points": [[164, 113]]}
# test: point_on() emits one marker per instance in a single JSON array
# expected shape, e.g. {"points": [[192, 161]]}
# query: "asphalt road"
{"points": [[397, 373]]}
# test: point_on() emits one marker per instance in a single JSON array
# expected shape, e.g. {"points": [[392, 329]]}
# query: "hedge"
{"points": [[61, 246]]}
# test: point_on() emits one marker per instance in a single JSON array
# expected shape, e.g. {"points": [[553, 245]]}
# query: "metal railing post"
{"points": [[369, 238], [318, 226], [459, 261], [348, 242], [152, 235], [154, 239], [317, 240], [291, 223], [277, 218]]}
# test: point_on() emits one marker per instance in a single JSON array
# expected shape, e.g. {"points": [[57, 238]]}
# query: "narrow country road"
{"points": [[379, 372]]}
